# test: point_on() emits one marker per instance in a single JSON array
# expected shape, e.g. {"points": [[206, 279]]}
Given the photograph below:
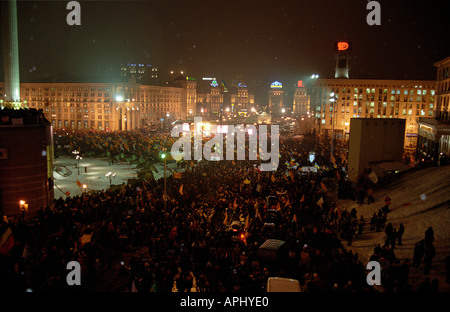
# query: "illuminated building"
{"points": [[107, 106], [434, 134], [342, 50], [144, 73], [209, 98], [301, 103], [242, 102], [188, 87], [276, 94], [371, 98]]}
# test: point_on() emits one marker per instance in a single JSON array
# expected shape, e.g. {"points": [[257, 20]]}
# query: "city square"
{"points": [[183, 158]]}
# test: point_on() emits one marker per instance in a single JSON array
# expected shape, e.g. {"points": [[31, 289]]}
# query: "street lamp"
{"points": [[333, 101], [78, 158], [163, 156], [23, 208], [110, 175]]}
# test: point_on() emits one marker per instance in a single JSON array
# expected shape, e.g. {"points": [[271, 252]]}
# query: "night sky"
{"points": [[262, 40]]}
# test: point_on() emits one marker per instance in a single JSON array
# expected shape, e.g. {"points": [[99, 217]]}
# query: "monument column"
{"points": [[10, 50]]}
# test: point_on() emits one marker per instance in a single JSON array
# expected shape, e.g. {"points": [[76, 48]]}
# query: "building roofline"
{"points": [[441, 62]]}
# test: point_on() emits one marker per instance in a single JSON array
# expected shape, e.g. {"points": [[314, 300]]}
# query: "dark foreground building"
{"points": [[26, 162]]}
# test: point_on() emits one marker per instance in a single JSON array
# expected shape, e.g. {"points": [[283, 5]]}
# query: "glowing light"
{"points": [[342, 45], [276, 84], [119, 98]]}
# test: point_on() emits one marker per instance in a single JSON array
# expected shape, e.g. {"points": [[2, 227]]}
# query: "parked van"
{"points": [[281, 284]]}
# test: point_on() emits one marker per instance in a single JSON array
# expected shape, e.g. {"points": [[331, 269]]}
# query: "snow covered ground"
{"points": [[420, 199], [94, 177]]}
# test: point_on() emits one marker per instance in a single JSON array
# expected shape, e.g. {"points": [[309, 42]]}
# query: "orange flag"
{"points": [[273, 178], [303, 198], [291, 174]]}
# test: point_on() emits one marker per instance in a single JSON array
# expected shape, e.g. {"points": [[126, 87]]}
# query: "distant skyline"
{"points": [[262, 40]]}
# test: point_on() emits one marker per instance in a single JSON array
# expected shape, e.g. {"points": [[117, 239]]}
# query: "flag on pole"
{"points": [[303, 198], [323, 186], [288, 203], [86, 238], [333, 160], [320, 201], [273, 178], [278, 208], [7, 241], [291, 174], [181, 189], [246, 222], [225, 220], [257, 212], [133, 287]]}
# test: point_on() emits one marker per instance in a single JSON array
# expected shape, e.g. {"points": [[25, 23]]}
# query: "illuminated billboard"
{"points": [[342, 46], [276, 84]]}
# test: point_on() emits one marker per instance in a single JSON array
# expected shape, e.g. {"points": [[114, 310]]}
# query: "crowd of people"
{"points": [[185, 243], [117, 145]]}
